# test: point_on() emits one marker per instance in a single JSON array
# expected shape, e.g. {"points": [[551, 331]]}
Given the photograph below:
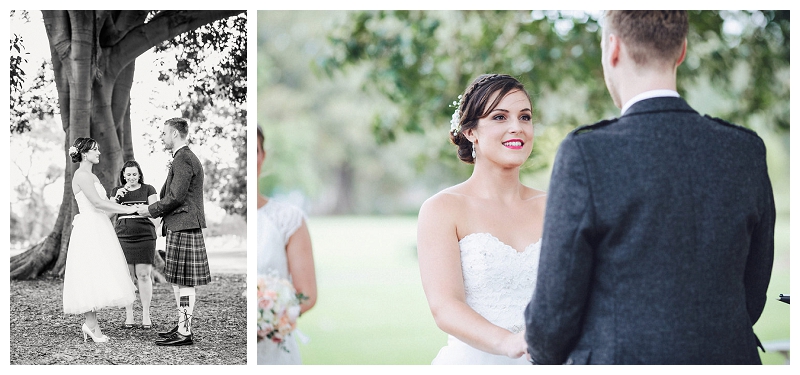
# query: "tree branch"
{"points": [[164, 26], [116, 24]]}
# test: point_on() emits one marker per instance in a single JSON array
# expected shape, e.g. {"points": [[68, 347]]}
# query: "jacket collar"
{"points": [[647, 95], [179, 150], [658, 104]]}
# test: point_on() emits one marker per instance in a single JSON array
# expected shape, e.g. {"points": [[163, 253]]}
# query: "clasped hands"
{"points": [[142, 210], [514, 346]]}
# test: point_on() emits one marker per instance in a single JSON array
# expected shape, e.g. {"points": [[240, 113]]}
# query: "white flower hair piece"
{"points": [[455, 123], [72, 151]]}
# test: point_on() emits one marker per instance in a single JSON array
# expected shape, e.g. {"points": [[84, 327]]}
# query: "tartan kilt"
{"points": [[186, 260]]}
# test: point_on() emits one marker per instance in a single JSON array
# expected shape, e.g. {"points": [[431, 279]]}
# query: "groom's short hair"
{"points": [[653, 37], [179, 124]]}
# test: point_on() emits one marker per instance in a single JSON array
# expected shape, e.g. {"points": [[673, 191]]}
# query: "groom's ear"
{"points": [[683, 54], [614, 49]]}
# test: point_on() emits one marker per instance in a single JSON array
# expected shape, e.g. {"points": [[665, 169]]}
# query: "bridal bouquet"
{"points": [[278, 308]]}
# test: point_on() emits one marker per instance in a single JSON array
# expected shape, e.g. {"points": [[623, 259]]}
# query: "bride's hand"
{"points": [[514, 345]]}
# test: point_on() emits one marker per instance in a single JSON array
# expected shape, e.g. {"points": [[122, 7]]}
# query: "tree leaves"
{"points": [[422, 59]]}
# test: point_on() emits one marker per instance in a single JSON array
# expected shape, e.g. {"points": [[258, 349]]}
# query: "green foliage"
{"points": [[317, 130], [755, 43], [422, 60], [355, 105]]}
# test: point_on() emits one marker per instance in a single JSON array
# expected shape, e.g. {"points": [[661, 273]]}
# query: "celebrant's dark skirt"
{"points": [[138, 240], [186, 260]]}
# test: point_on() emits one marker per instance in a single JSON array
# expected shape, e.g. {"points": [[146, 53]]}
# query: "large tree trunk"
{"points": [[93, 55]]}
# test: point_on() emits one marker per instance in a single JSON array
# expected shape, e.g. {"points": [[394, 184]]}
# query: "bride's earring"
{"points": [[473, 151]]}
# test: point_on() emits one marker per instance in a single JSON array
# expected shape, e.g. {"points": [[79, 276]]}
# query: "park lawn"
{"points": [[41, 334], [774, 321], [372, 309]]}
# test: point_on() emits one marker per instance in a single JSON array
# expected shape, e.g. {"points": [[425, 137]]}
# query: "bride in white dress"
{"points": [[478, 241], [284, 247], [96, 273]]}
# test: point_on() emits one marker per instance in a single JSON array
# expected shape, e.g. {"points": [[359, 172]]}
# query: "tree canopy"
{"points": [[93, 61], [422, 59], [217, 91], [407, 67]]}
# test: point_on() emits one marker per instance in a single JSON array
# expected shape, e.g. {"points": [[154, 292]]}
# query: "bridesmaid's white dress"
{"points": [[498, 283], [277, 222], [96, 274]]}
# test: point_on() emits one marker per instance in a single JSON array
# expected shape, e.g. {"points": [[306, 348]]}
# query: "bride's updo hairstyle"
{"points": [[474, 105], [80, 146]]}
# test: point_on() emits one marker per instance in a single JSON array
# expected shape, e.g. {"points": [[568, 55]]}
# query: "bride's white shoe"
{"points": [[92, 334]]}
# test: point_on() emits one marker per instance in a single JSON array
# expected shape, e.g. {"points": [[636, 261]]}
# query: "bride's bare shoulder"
{"points": [[449, 196], [447, 201], [82, 176]]}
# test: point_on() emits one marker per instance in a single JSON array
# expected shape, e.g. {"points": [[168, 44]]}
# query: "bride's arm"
{"points": [[86, 183], [440, 269], [300, 260]]}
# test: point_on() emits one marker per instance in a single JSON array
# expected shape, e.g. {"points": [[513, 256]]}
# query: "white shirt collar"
{"points": [[648, 95]]}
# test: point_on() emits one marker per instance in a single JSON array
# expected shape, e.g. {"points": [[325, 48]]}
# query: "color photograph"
{"points": [[517, 187]]}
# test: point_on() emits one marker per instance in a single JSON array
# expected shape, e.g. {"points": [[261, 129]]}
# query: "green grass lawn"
{"points": [[774, 321], [372, 310]]}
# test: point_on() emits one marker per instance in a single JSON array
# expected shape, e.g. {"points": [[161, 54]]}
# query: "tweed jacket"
{"points": [[181, 197], [657, 244]]}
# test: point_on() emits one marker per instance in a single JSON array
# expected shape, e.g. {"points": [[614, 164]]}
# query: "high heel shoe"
{"points": [[148, 325], [100, 334], [90, 333]]}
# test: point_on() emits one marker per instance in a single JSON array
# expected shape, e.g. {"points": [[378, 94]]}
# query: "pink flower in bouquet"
{"points": [[265, 303], [278, 309]]}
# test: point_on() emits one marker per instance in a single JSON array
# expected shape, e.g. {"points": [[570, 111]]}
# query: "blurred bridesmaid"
{"points": [[284, 246]]}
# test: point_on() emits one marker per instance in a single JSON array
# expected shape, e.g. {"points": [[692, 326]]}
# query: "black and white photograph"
{"points": [[128, 183]]}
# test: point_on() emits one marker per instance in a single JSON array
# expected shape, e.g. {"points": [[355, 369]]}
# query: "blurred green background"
{"points": [[354, 106]]}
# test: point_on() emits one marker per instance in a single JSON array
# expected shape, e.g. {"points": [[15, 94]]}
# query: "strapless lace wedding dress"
{"points": [[96, 273], [498, 283]]}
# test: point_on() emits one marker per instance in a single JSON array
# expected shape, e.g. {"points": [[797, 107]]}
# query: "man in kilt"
{"points": [[181, 209]]}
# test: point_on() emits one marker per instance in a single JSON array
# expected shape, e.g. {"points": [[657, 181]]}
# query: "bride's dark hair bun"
{"points": [[80, 146], [475, 106]]}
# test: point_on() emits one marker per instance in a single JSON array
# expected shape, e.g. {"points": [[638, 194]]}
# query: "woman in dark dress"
{"points": [[137, 236]]}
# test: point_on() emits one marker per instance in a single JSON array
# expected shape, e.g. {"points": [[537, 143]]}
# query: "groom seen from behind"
{"points": [[181, 207], [658, 236]]}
